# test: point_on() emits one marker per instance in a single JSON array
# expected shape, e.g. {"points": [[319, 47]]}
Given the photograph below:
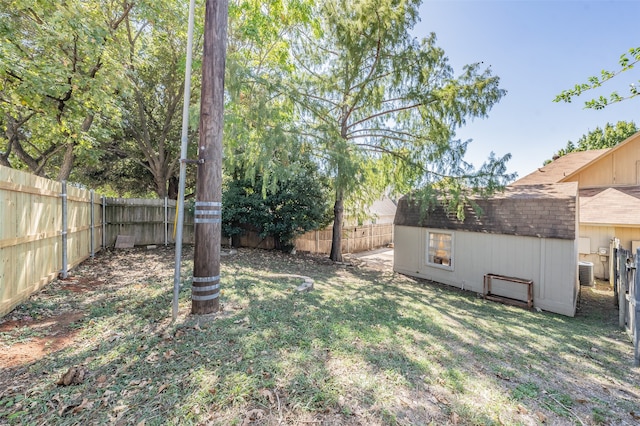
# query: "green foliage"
{"points": [[259, 134], [58, 74], [295, 206], [380, 108], [627, 62], [599, 138]]}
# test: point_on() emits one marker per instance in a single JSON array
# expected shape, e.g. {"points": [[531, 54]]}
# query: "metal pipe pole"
{"points": [[63, 195], [104, 222], [92, 226], [166, 220], [183, 164]]}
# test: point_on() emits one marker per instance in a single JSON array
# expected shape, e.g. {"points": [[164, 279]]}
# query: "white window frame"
{"points": [[429, 262]]}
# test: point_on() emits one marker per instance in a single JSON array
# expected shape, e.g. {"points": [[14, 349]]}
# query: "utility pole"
{"points": [[206, 261]]}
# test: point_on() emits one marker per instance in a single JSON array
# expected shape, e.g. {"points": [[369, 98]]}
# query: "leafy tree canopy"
{"points": [[58, 74], [599, 138], [627, 62], [379, 109]]}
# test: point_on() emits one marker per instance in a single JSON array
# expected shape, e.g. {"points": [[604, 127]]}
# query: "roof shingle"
{"points": [[560, 168], [545, 211]]}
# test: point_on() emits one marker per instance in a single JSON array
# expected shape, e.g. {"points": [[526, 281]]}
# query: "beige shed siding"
{"points": [[600, 236], [550, 263]]}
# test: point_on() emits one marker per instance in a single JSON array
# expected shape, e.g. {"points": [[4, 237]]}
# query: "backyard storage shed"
{"points": [[526, 232], [609, 197]]}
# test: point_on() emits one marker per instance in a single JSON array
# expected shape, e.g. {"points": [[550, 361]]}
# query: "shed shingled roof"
{"points": [[544, 211], [560, 168]]}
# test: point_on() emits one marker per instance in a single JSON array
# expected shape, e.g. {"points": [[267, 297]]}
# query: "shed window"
{"points": [[440, 249]]}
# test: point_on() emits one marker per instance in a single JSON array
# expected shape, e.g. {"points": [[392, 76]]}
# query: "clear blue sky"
{"points": [[538, 48]]}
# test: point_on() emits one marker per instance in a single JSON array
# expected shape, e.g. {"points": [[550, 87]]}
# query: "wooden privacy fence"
{"points": [[355, 239], [148, 221], [627, 295], [46, 228]]}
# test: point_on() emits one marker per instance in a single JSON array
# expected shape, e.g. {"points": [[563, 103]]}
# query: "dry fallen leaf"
{"points": [[101, 379], [252, 415], [85, 404], [442, 400], [541, 417], [268, 394], [454, 418], [73, 376], [522, 409], [163, 387]]}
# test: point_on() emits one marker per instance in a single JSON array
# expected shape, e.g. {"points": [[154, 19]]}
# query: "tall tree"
{"points": [[599, 138], [259, 136], [627, 62], [57, 79], [156, 37], [380, 108]]}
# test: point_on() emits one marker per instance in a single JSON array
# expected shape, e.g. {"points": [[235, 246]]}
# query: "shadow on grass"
{"points": [[363, 347]]}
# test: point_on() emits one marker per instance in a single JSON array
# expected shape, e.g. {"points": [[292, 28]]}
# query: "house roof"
{"points": [[610, 206], [545, 211], [559, 169], [383, 207]]}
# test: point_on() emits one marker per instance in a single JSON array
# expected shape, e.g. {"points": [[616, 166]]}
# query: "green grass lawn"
{"points": [[364, 347]]}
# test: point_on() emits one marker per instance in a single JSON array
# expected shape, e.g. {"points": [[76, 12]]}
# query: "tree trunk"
{"points": [[67, 163], [172, 192], [160, 182], [338, 216]]}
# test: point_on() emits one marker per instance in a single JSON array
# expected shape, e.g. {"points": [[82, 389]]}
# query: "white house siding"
{"points": [[550, 263]]}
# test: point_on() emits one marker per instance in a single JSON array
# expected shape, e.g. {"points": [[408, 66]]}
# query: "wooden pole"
{"points": [[207, 219]]}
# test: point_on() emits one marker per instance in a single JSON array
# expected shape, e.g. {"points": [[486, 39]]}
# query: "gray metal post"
{"points": [[104, 222], [166, 221], [183, 164], [622, 279], [92, 226], [63, 196]]}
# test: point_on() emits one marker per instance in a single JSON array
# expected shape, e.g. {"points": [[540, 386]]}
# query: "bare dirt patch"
{"points": [[42, 337]]}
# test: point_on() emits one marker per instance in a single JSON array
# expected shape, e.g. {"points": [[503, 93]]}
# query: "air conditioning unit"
{"points": [[585, 273]]}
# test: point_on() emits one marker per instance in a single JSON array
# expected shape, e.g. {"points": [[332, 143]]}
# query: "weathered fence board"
{"points": [[149, 221], [627, 291], [354, 239]]}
